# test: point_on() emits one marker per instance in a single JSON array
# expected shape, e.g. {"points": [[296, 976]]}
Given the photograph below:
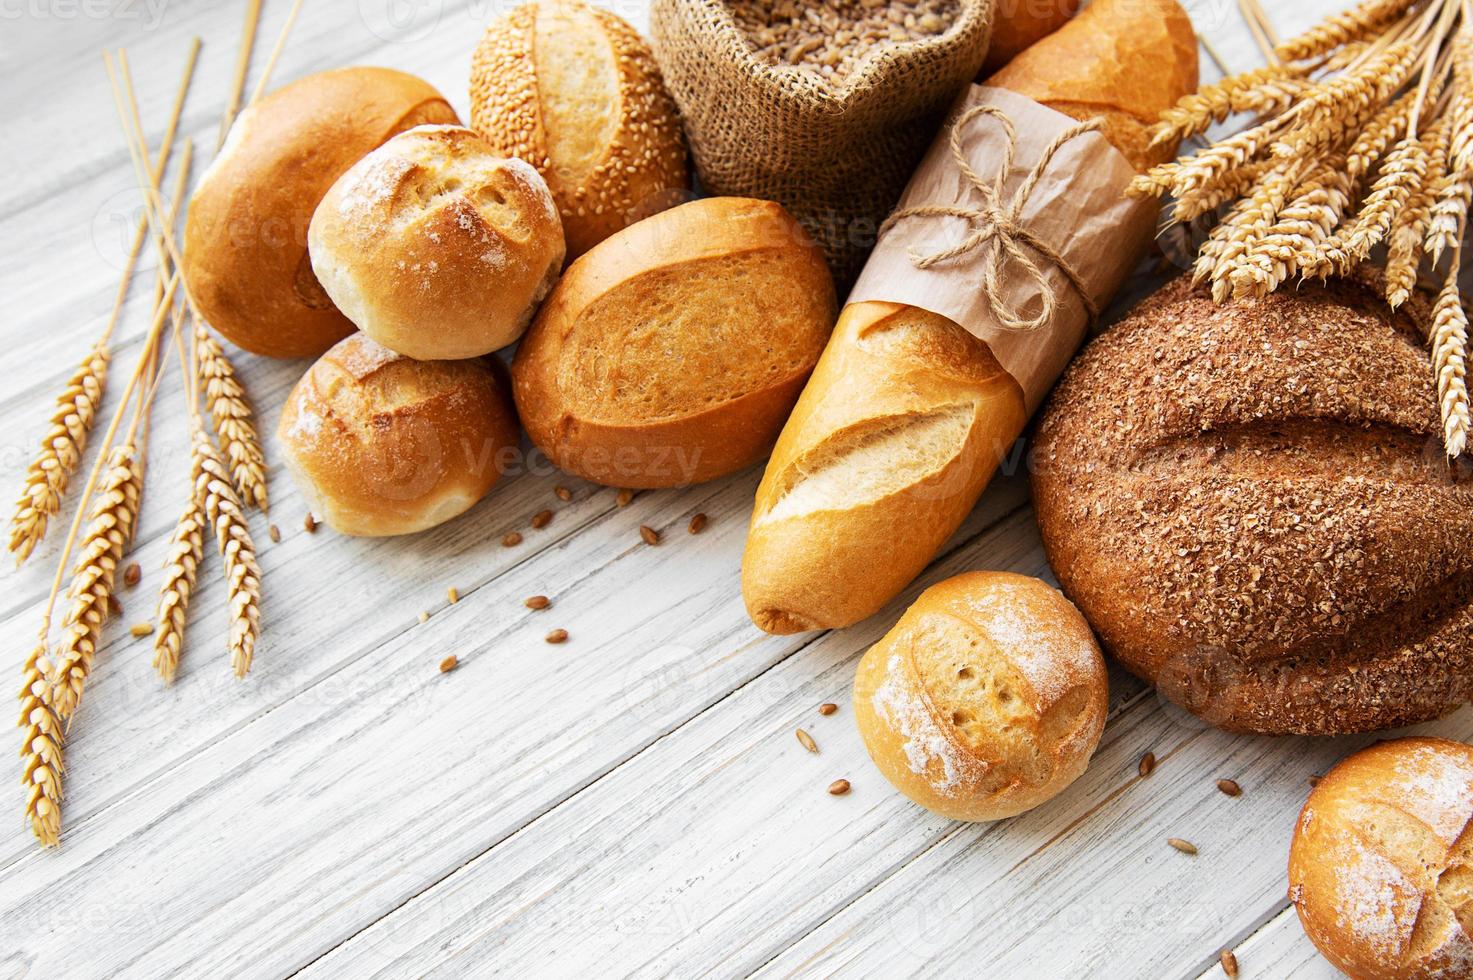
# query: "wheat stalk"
{"points": [[1449, 214], [1403, 175], [233, 419], [1189, 176], [1365, 18], [1449, 359], [1348, 102], [1406, 244], [1263, 91], [61, 453], [1240, 232], [114, 515], [1293, 244], [1232, 186], [41, 748], [242, 574], [181, 567]]}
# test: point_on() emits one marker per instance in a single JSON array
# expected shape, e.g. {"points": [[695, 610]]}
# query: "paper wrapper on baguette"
{"points": [[930, 375]]}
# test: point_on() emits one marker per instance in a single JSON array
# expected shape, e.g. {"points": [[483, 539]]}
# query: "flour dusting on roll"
{"points": [[438, 247], [986, 699], [381, 444]]}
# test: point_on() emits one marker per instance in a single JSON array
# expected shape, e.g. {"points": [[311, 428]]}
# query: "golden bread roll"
{"points": [[1381, 867], [884, 456], [1019, 24], [986, 699], [907, 415], [436, 247], [381, 444], [574, 90], [672, 353], [1125, 61], [245, 243]]}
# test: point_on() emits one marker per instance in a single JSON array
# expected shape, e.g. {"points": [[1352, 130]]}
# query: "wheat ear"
{"points": [[186, 551], [1292, 246], [242, 574], [1406, 243], [1232, 187], [1193, 175], [1364, 18], [233, 419], [41, 748], [61, 453], [1263, 91], [1241, 230], [114, 515], [1449, 214], [1403, 175], [1449, 360]]}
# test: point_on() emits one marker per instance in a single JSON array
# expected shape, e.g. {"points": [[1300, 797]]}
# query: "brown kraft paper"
{"points": [[1074, 221]]}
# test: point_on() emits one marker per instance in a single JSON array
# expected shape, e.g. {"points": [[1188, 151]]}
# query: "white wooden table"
{"points": [[633, 802]]}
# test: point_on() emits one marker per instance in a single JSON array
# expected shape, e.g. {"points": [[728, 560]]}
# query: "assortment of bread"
{"points": [[986, 699], [245, 245], [435, 212], [672, 352], [1381, 867], [1247, 503]]}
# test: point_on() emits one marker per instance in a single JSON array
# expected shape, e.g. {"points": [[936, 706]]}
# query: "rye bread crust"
{"points": [[1251, 506]]}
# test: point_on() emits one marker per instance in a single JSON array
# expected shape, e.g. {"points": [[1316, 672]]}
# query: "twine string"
{"points": [[993, 221]]}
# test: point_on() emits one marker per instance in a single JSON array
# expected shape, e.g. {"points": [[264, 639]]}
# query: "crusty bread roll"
{"points": [[1018, 24], [1124, 61], [872, 476], [436, 247], [671, 353], [1251, 505], [1381, 868], [245, 244], [986, 699], [886, 453], [574, 90], [381, 444]]}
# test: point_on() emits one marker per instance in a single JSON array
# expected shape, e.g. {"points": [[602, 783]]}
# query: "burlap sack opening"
{"points": [[836, 155]]}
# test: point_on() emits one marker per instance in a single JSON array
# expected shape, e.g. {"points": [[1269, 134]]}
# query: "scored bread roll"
{"points": [[892, 442], [671, 353], [1381, 866], [245, 242], [1018, 24], [986, 699], [436, 247], [829, 547], [575, 91], [381, 444]]}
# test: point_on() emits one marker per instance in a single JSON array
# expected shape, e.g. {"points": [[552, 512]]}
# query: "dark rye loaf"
{"points": [[1251, 506]]}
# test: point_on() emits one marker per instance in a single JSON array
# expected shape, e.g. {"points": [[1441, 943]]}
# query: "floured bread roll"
{"points": [[436, 246], [381, 444], [1381, 868], [986, 699]]}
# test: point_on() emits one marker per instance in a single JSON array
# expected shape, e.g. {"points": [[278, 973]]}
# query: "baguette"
{"points": [[907, 415]]}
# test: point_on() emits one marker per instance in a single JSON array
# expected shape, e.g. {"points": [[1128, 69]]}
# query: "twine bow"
{"points": [[1004, 224]]}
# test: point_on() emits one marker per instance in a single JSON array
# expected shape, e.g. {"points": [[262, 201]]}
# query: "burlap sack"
{"points": [[836, 156]]}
